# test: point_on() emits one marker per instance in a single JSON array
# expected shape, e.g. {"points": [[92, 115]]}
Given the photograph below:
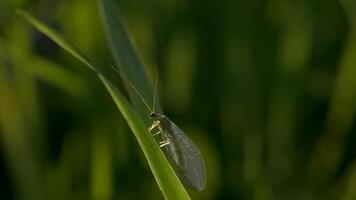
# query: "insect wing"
{"points": [[188, 159]]}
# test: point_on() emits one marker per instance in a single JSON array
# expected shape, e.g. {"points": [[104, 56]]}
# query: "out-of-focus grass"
{"points": [[340, 116], [16, 123], [265, 88]]}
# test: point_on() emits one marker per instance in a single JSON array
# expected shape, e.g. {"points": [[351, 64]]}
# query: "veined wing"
{"points": [[189, 163]]}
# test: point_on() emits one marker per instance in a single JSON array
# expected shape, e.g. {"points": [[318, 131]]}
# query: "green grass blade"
{"points": [[126, 57], [168, 183], [57, 38], [167, 180]]}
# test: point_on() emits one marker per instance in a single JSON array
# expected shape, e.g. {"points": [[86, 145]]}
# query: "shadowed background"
{"points": [[266, 89]]}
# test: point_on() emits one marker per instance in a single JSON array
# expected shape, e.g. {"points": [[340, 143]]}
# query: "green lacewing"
{"points": [[183, 154], [180, 150]]}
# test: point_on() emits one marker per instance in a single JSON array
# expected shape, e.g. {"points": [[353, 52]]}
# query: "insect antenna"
{"points": [[155, 91], [133, 87]]}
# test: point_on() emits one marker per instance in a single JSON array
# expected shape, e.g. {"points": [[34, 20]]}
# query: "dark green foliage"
{"points": [[266, 89]]}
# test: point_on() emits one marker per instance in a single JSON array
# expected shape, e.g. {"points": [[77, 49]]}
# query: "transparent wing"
{"points": [[187, 157]]}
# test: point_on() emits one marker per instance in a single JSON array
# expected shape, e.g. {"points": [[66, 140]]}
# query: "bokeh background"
{"points": [[265, 88]]}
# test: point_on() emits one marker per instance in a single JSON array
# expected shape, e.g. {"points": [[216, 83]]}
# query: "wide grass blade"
{"points": [[126, 58], [167, 180], [170, 185]]}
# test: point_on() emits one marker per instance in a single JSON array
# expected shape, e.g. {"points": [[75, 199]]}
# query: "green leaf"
{"points": [[57, 38], [169, 185], [126, 57], [166, 178]]}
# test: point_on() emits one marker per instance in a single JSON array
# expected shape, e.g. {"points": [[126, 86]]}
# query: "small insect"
{"points": [[181, 152]]}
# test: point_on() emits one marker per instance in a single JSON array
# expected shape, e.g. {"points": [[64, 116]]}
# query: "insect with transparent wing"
{"points": [[180, 150]]}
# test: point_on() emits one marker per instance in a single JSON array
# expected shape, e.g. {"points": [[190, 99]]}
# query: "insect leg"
{"points": [[164, 143], [157, 133], [154, 125]]}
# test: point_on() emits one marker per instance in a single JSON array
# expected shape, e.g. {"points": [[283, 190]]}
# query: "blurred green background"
{"points": [[265, 88]]}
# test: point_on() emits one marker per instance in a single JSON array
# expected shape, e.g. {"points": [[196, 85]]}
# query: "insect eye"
{"points": [[152, 115]]}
